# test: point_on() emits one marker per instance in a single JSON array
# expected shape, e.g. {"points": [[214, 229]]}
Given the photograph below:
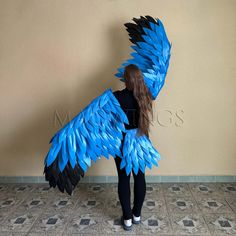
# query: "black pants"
{"points": [[124, 191]]}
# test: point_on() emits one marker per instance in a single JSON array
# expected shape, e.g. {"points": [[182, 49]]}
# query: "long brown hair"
{"points": [[134, 81]]}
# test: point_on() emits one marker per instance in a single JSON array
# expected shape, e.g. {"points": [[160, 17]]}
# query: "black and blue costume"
{"points": [[103, 128]]}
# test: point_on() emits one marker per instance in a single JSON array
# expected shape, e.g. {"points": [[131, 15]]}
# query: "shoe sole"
{"points": [[127, 228]]}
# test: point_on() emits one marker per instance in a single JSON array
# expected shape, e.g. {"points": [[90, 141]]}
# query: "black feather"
{"points": [[150, 19], [136, 30], [65, 180]]}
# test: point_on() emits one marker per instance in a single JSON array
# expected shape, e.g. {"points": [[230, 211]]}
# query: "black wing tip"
{"points": [[136, 31], [65, 180]]}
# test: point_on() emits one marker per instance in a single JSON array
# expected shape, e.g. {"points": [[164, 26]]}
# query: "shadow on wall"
{"points": [[31, 144]]}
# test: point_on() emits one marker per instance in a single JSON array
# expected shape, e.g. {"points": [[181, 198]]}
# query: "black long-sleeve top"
{"points": [[129, 105]]}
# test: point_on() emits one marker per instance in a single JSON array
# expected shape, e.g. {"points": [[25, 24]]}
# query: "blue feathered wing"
{"points": [[152, 52], [138, 152], [96, 131]]}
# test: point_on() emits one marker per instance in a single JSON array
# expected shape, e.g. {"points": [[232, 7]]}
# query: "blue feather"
{"points": [[138, 152], [71, 154]]}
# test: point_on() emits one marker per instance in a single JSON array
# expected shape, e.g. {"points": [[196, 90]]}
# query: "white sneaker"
{"points": [[128, 222], [136, 220]]}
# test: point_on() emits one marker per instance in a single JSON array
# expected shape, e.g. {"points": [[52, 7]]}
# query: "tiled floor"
{"points": [[94, 209]]}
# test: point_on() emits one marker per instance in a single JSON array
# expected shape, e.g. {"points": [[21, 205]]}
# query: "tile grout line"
{"points": [[229, 205], [70, 217], [27, 233], [167, 209], [199, 210]]}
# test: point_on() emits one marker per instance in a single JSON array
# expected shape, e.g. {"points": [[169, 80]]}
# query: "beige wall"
{"points": [[56, 56]]}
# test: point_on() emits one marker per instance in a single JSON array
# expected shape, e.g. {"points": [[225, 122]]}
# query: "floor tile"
{"points": [[19, 221], [181, 204], [204, 189], [176, 189], [213, 204], [189, 224], [155, 223], [50, 222], [86, 223], [221, 224]]}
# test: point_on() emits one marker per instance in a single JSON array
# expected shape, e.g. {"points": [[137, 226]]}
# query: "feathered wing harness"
{"points": [[98, 129]]}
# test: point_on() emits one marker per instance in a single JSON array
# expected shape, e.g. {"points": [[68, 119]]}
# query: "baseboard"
{"points": [[114, 179]]}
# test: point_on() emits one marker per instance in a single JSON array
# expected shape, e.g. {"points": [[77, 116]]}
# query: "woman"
{"points": [[136, 101]]}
